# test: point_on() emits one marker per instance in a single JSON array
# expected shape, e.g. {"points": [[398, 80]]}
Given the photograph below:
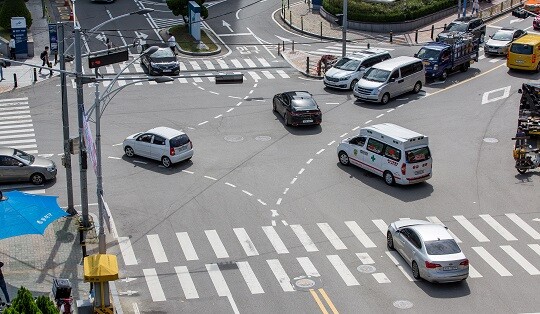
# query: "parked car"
{"points": [[348, 70], [161, 62], [167, 145], [16, 165], [430, 250], [523, 53], [297, 108], [456, 28], [499, 42], [536, 23]]}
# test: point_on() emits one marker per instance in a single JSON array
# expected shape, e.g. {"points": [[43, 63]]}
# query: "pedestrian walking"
{"points": [[12, 46], [2, 66], [44, 56], [172, 43], [3, 285], [475, 7], [109, 44]]}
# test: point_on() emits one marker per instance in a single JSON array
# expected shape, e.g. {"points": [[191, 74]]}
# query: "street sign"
{"points": [[89, 142], [53, 38], [108, 58]]}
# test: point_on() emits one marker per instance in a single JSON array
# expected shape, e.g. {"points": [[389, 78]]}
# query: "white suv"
{"points": [[167, 145], [349, 69]]}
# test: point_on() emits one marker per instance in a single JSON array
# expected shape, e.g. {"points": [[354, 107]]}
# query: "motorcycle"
{"points": [[526, 158]]}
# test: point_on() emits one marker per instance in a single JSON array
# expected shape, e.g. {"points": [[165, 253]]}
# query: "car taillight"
{"points": [[190, 144], [171, 151], [533, 58], [432, 265], [464, 263], [403, 168], [294, 113]]}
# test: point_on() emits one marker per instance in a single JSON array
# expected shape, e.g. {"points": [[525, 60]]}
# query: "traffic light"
{"points": [[107, 58], [339, 19]]}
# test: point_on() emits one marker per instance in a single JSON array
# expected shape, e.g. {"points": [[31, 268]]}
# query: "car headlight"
{"points": [[153, 64], [51, 168], [345, 78], [435, 67]]}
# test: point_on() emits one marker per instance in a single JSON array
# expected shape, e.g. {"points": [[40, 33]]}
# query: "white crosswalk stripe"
{"points": [[268, 74], [381, 225], [381, 278], [365, 258], [127, 251], [395, 258], [342, 270], [254, 75], [436, 220], [524, 226], [535, 248], [264, 62], [250, 63], [471, 228], [280, 274], [360, 234], [157, 248], [282, 74], [250, 278], [190, 292], [187, 246], [222, 64], [276, 241], [154, 286], [209, 65], [195, 65], [245, 242], [520, 260], [218, 280], [304, 238], [488, 258], [498, 227], [237, 64], [308, 267], [332, 236], [473, 273], [216, 244]]}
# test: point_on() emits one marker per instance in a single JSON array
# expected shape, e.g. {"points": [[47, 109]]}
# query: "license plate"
{"points": [[419, 172], [425, 62], [181, 149], [519, 61], [307, 121], [450, 268]]}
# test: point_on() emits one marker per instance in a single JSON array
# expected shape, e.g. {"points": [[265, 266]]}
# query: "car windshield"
{"points": [[24, 155], [505, 36], [179, 140], [457, 27], [442, 247], [522, 49], [428, 54], [418, 154], [162, 53], [376, 75], [347, 64]]}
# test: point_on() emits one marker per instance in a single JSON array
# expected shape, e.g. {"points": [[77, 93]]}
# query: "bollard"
{"points": [[444, 27], [321, 30], [302, 23], [416, 36], [432, 30], [293, 46], [511, 3], [283, 45], [14, 80], [368, 45], [288, 4], [307, 65], [35, 75], [390, 36], [502, 6], [290, 18], [278, 49]]}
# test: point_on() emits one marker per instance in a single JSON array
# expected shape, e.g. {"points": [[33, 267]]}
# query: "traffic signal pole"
{"points": [[344, 28]]}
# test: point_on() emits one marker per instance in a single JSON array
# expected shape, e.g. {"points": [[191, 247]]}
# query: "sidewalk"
{"points": [[310, 23]]}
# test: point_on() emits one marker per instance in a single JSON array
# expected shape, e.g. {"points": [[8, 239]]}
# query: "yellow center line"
{"points": [[327, 299], [318, 300]]}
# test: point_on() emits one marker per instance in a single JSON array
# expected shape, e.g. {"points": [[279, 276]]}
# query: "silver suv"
{"points": [[349, 69]]}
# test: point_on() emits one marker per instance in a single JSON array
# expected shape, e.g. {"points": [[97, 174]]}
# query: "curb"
{"points": [[191, 53], [300, 70]]}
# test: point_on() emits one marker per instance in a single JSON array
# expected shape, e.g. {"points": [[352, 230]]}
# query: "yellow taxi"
{"points": [[524, 53]]}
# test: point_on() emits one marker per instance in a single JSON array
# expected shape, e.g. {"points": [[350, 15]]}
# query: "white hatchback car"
{"points": [[167, 145]]}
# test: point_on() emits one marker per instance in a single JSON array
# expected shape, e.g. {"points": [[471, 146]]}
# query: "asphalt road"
{"points": [[248, 224]]}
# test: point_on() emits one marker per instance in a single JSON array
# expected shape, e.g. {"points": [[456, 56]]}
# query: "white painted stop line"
{"points": [[505, 93]]}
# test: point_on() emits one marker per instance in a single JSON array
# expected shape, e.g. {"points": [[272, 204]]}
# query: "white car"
{"points": [[167, 145]]}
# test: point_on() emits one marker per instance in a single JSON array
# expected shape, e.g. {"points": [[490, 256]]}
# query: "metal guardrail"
{"points": [[499, 8]]}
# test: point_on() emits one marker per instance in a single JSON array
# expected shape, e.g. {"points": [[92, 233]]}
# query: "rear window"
{"points": [[179, 140], [522, 49], [442, 247], [418, 154]]}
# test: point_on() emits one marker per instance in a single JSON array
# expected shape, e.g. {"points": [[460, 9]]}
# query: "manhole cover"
{"points": [[263, 138], [403, 304], [234, 138], [367, 269], [305, 283], [491, 140]]}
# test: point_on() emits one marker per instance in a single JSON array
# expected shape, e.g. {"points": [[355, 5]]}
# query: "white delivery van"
{"points": [[397, 154]]}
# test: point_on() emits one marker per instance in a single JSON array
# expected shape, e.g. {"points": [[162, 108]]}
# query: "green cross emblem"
{"points": [[372, 158]]}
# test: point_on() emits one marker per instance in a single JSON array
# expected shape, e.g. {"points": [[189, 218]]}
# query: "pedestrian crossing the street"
{"points": [[255, 69], [322, 250]]}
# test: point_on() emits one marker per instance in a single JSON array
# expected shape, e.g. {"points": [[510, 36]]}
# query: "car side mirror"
{"points": [[362, 68], [392, 79], [416, 55], [398, 231]]}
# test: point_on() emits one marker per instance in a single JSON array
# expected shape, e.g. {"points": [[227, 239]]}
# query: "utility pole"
{"points": [[65, 121], [80, 114], [344, 36]]}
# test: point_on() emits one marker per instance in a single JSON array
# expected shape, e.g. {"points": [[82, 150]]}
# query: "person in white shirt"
{"points": [[475, 7], [12, 48], [172, 43]]}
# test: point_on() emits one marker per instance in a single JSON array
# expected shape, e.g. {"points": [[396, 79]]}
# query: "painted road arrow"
{"points": [[536, 219], [225, 24]]}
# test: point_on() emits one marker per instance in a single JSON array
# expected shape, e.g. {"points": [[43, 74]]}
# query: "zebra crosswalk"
{"points": [[16, 126], [322, 250]]}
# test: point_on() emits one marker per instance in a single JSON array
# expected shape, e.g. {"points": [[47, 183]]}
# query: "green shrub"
{"points": [[46, 305], [13, 8], [24, 303], [399, 11]]}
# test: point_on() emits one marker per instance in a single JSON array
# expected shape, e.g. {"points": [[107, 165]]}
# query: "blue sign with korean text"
{"points": [[53, 38], [18, 30]]}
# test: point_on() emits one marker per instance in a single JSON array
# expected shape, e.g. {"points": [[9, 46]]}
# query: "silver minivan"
{"points": [[391, 78]]}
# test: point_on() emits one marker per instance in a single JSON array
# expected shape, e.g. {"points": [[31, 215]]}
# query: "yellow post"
{"points": [[99, 269]]}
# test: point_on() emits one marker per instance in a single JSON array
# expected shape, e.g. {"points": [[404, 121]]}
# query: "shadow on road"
{"points": [[155, 166], [445, 290], [300, 130]]}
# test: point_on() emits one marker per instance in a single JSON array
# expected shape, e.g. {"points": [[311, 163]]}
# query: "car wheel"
{"points": [[522, 170], [37, 178], [415, 270], [389, 178], [286, 118], [385, 98], [417, 87], [538, 67], [444, 75], [129, 151], [166, 162], [353, 83], [465, 66], [389, 240], [343, 158]]}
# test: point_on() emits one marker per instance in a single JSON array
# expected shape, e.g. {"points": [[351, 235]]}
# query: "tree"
{"points": [[14, 8], [24, 303], [180, 8]]}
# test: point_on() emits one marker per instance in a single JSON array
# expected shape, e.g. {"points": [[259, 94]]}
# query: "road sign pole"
{"points": [[344, 43]]}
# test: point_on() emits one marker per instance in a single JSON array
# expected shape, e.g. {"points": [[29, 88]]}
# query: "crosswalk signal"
{"points": [[339, 19]]}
